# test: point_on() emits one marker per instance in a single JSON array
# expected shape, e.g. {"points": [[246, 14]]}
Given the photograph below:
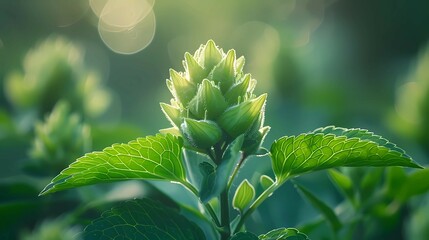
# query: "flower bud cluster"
{"points": [[213, 101]]}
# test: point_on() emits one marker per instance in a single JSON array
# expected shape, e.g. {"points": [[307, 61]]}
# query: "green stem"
{"points": [[234, 173], [207, 206], [224, 206], [264, 195]]}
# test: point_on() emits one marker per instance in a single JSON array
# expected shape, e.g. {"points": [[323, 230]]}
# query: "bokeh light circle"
{"points": [[125, 26]]}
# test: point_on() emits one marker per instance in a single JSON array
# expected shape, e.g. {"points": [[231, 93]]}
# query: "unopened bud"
{"points": [[172, 114], [239, 118], [209, 102], [195, 71], [201, 133], [238, 91], [183, 89], [224, 72]]}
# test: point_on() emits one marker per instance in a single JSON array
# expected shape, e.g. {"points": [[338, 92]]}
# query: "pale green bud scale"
{"points": [[212, 55], [224, 72], [238, 90], [201, 133], [237, 119], [209, 101], [172, 114], [183, 90], [194, 70]]}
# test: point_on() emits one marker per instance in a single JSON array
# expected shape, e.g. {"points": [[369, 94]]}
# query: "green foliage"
{"points": [[217, 123], [142, 219], [334, 147], [154, 157], [53, 71], [415, 184], [412, 102], [53, 229], [327, 212], [58, 141]]}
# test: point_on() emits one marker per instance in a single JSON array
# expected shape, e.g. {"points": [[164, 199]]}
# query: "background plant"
{"points": [[214, 113]]}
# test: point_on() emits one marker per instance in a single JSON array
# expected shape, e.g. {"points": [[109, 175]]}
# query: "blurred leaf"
{"points": [[395, 178], [58, 140], [334, 147], [326, 211], [370, 181], [6, 124], [192, 163], [142, 219], [53, 229], [208, 182], [416, 183], [106, 135], [284, 234], [244, 194], [154, 157], [54, 70], [244, 236], [343, 182]]}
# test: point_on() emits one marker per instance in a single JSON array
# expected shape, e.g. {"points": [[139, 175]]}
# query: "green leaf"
{"points": [[416, 183], [334, 147], [244, 194], [395, 178], [208, 181], [327, 212], [369, 182], [284, 234], [266, 181], [142, 219], [154, 157], [343, 182], [244, 236]]}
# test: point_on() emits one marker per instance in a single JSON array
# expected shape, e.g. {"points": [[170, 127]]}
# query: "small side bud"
{"points": [[201, 133]]}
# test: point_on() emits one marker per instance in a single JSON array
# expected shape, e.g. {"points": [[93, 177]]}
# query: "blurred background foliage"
{"points": [[77, 76]]}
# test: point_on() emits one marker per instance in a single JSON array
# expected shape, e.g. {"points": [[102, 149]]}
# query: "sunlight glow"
{"points": [[125, 26]]}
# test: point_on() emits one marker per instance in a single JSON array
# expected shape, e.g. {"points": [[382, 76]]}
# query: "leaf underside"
{"points": [[334, 147], [142, 219], [153, 157]]}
